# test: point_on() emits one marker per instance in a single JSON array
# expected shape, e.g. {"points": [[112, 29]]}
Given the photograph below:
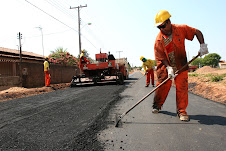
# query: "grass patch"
{"points": [[216, 78], [193, 75], [224, 75], [209, 75]]}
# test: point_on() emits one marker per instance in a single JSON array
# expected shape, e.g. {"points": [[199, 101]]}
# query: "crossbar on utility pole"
{"points": [[119, 53], [79, 22]]}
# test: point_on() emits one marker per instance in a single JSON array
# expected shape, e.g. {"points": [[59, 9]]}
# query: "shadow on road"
{"points": [[209, 119], [203, 119]]}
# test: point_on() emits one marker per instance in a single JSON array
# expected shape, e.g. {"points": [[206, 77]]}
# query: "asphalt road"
{"points": [[141, 130], [83, 119], [62, 120]]}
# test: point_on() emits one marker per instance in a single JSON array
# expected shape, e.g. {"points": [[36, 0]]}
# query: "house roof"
{"points": [[14, 51], [14, 54]]}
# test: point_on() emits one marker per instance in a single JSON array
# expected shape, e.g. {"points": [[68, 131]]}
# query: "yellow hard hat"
{"points": [[141, 58], [83, 50], [161, 16]]}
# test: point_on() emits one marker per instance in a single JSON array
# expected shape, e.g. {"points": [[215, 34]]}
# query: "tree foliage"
{"points": [[197, 62], [211, 59], [61, 56]]}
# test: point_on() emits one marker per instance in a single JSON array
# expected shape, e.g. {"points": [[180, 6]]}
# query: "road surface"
{"points": [[82, 119], [60, 120], [144, 131]]}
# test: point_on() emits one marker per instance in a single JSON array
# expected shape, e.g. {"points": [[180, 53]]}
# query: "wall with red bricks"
{"points": [[33, 74]]}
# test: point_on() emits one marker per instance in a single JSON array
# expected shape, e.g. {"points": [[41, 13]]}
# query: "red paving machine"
{"points": [[105, 68]]}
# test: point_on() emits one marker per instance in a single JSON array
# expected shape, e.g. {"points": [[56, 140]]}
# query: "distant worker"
{"points": [[170, 55], [46, 71], [148, 66], [83, 58]]}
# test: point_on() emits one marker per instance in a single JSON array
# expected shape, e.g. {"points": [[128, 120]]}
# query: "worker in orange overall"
{"points": [[46, 71], [170, 55], [148, 66], [83, 59]]}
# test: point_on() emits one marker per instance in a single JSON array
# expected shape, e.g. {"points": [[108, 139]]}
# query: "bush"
{"points": [[216, 78], [61, 56]]}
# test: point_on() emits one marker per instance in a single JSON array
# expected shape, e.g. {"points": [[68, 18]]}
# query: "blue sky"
{"points": [[117, 25]]}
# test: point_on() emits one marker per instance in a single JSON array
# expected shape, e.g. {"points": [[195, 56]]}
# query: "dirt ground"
{"points": [[202, 85], [199, 85]]}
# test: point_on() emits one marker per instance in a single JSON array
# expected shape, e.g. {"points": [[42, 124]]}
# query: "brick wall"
{"points": [[10, 81], [33, 74]]}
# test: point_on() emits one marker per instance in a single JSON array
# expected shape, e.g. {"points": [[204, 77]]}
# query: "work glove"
{"points": [[171, 73], [203, 49]]}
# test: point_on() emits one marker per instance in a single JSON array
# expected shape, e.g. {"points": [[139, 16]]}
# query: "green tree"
{"points": [[211, 59], [61, 56], [197, 62]]}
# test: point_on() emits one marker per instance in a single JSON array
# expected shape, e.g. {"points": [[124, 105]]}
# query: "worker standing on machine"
{"points": [[148, 66], [170, 55], [83, 58]]}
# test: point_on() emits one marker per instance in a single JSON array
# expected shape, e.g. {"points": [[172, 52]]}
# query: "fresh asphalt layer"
{"points": [[141, 130], [61, 120], [83, 119]]}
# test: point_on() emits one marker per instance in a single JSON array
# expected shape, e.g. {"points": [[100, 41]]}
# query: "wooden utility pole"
{"points": [[79, 22], [20, 49]]}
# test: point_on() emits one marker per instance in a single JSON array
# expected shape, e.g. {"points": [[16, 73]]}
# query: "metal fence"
{"points": [[9, 68]]}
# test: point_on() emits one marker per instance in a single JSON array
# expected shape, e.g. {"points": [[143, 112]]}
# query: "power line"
{"points": [[51, 16], [58, 20], [59, 6]]}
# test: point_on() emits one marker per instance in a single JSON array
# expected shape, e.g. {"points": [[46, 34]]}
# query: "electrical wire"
{"points": [[50, 15], [59, 21], [59, 6]]}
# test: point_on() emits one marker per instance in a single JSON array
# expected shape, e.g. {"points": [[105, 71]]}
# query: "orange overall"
{"points": [[46, 71], [47, 78], [150, 72], [164, 52]]}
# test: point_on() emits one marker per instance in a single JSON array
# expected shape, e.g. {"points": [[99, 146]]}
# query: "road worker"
{"points": [[170, 55], [148, 66], [83, 58], [46, 71]]}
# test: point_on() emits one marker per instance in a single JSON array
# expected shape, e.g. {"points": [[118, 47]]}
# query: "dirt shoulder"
{"points": [[199, 84], [9, 93], [204, 82]]}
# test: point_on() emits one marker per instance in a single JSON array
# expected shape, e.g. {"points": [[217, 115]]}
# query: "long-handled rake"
{"points": [[119, 118]]}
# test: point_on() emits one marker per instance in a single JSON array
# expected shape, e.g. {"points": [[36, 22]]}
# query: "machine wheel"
{"points": [[73, 84], [120, 79], [95, 81]]}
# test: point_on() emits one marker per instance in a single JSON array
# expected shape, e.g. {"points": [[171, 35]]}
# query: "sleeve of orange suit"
{"points": [[189, 32]]}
